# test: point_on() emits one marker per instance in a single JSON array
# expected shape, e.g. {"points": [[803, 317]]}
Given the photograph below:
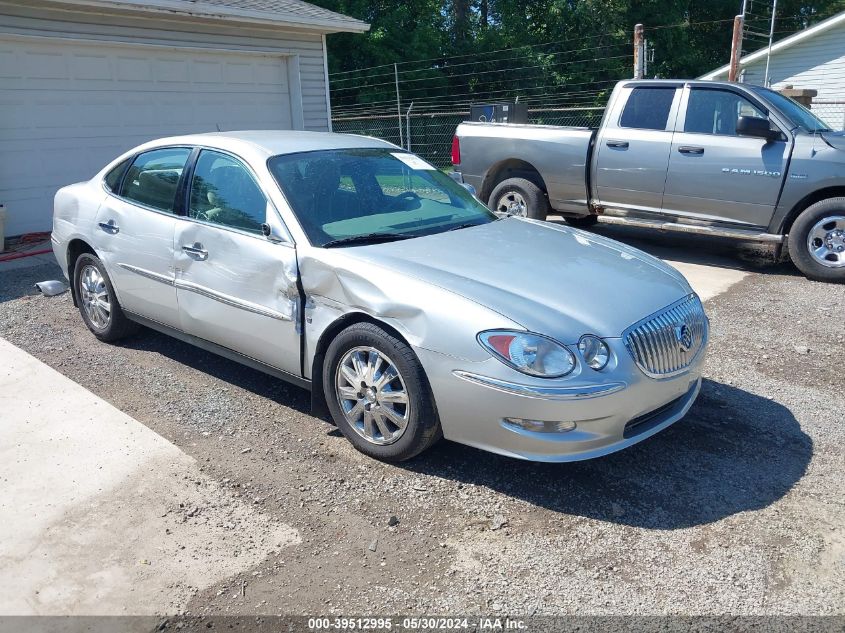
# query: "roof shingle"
{"points": [[283, 12]]}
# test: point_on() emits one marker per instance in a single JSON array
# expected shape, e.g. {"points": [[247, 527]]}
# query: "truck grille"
{"points": [[667, 342]]}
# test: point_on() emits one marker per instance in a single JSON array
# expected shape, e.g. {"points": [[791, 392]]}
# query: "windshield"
{"points": [[342, 194], [798, 114]]}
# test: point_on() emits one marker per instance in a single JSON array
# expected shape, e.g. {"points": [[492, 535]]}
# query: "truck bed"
{"points": [[561, 153]]}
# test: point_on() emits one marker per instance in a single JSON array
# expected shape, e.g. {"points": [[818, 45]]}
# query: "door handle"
{"points": [[196, 250], [618, 144], [686, 149], [109, 227]]}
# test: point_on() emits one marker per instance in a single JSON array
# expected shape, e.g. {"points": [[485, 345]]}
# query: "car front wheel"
{"points": [[817, 241], [378, 394]]}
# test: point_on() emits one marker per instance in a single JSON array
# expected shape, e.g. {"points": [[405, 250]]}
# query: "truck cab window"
{"points": [[716, 112], [648, 108]]}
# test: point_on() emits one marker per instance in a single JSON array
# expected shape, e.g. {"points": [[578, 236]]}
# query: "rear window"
{"points": [[113, 178], [648, 108], [153, 178]]}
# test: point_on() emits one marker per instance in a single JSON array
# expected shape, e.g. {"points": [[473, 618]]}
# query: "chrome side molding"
{"points": [[571, 392], [228, 300]]}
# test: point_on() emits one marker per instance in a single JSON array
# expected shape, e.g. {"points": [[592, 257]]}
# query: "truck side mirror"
{"points": [[756, 127]]}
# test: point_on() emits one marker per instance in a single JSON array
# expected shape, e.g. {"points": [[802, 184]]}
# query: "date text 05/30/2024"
{"points": [[416, 624]]}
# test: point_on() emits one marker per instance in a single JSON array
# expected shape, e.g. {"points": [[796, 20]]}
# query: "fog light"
{"points": [[540, 426], [594, 351]]}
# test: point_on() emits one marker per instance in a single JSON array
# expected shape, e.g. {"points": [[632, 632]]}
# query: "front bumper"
{"points": [[612, 409]]}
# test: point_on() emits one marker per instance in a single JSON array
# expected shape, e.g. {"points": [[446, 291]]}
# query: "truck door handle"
{"points": [[109, 227], [196, 251], [686, 149], [618, 144]]}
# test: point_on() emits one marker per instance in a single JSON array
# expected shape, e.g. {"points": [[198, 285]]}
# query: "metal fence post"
{"points": [[408, 127], [398, 104]]}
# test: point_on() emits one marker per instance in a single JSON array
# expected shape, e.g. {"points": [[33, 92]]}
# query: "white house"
{"points": [[83, 80], [810, 59]]}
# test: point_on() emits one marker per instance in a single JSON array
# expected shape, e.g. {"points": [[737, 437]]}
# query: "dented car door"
{"points": [[235, 286]]}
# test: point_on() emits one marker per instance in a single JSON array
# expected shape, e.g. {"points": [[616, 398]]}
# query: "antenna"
{"points": [[749, 32]]}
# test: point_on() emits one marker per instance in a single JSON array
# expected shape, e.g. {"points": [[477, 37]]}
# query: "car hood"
{"points": [[835, 139], [551, 279]]}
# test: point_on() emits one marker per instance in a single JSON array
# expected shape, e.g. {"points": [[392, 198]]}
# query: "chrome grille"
{"points": [[667, 342]]}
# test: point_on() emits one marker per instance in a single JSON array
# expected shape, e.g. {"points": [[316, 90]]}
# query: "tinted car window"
{"points": [[153, 178], [223, 192], [112, 178], [716, 112], [648, 108]]}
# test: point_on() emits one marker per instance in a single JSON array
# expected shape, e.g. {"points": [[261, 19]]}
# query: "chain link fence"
{"points": [[831, 111], [430, 134]]}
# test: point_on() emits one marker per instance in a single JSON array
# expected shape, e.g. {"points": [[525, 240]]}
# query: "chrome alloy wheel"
{"points": [[95, 297], [826, 241], [372, 395], [513, 203]]}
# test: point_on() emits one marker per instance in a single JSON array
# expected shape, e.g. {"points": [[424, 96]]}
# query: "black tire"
{"points": [[582, 222], [423, 426], [536, 203], [799, 235], [117, 326]]}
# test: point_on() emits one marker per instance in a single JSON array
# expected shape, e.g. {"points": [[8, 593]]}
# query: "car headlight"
{"points": [[594, 351], [529, 353]]}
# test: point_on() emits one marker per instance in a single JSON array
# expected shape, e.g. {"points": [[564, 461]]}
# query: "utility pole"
{"points": [[639, 52], [736, 48]]}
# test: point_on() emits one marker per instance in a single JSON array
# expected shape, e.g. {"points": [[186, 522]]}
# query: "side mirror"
{"points": [[756, 127], [273, 229], [469, 188]]}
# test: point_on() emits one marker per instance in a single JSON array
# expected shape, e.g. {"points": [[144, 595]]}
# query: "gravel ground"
{"points": [[737, 509]]}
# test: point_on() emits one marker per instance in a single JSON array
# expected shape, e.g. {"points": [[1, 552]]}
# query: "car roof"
{"points": [[272, 142]]}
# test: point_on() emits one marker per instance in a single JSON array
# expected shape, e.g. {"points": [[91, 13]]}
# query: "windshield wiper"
{"points": [[367, 238]]}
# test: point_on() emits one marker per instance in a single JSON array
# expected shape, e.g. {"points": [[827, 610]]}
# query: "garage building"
{"points": [[83, 80]]}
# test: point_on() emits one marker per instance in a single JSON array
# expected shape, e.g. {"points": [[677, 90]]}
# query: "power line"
{"points": [[475, 54], [483, 61], [486, 72], [618, 33]]}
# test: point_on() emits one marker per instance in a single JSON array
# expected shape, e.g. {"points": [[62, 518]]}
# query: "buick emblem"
{"points": [[684, 337]]}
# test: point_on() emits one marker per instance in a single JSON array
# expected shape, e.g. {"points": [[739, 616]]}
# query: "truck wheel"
{"points": [[817, 241], [582, 221], [520, 197]]}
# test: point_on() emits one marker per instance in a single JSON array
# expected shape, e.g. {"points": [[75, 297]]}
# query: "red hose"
{"points": [[8, 258]]}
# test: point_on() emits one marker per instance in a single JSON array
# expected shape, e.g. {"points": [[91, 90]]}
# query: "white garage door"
{"points": [[68, 107]]}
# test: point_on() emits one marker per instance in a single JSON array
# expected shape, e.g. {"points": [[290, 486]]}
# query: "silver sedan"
{"points": [[357, 270]]}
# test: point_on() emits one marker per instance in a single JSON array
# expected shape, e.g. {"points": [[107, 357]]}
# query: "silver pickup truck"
{"points": [[718, 158]]}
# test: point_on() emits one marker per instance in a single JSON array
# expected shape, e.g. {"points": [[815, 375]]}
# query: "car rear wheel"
{"points": [[520, 197], [817, 241], [98, 304], [378, 394]]}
